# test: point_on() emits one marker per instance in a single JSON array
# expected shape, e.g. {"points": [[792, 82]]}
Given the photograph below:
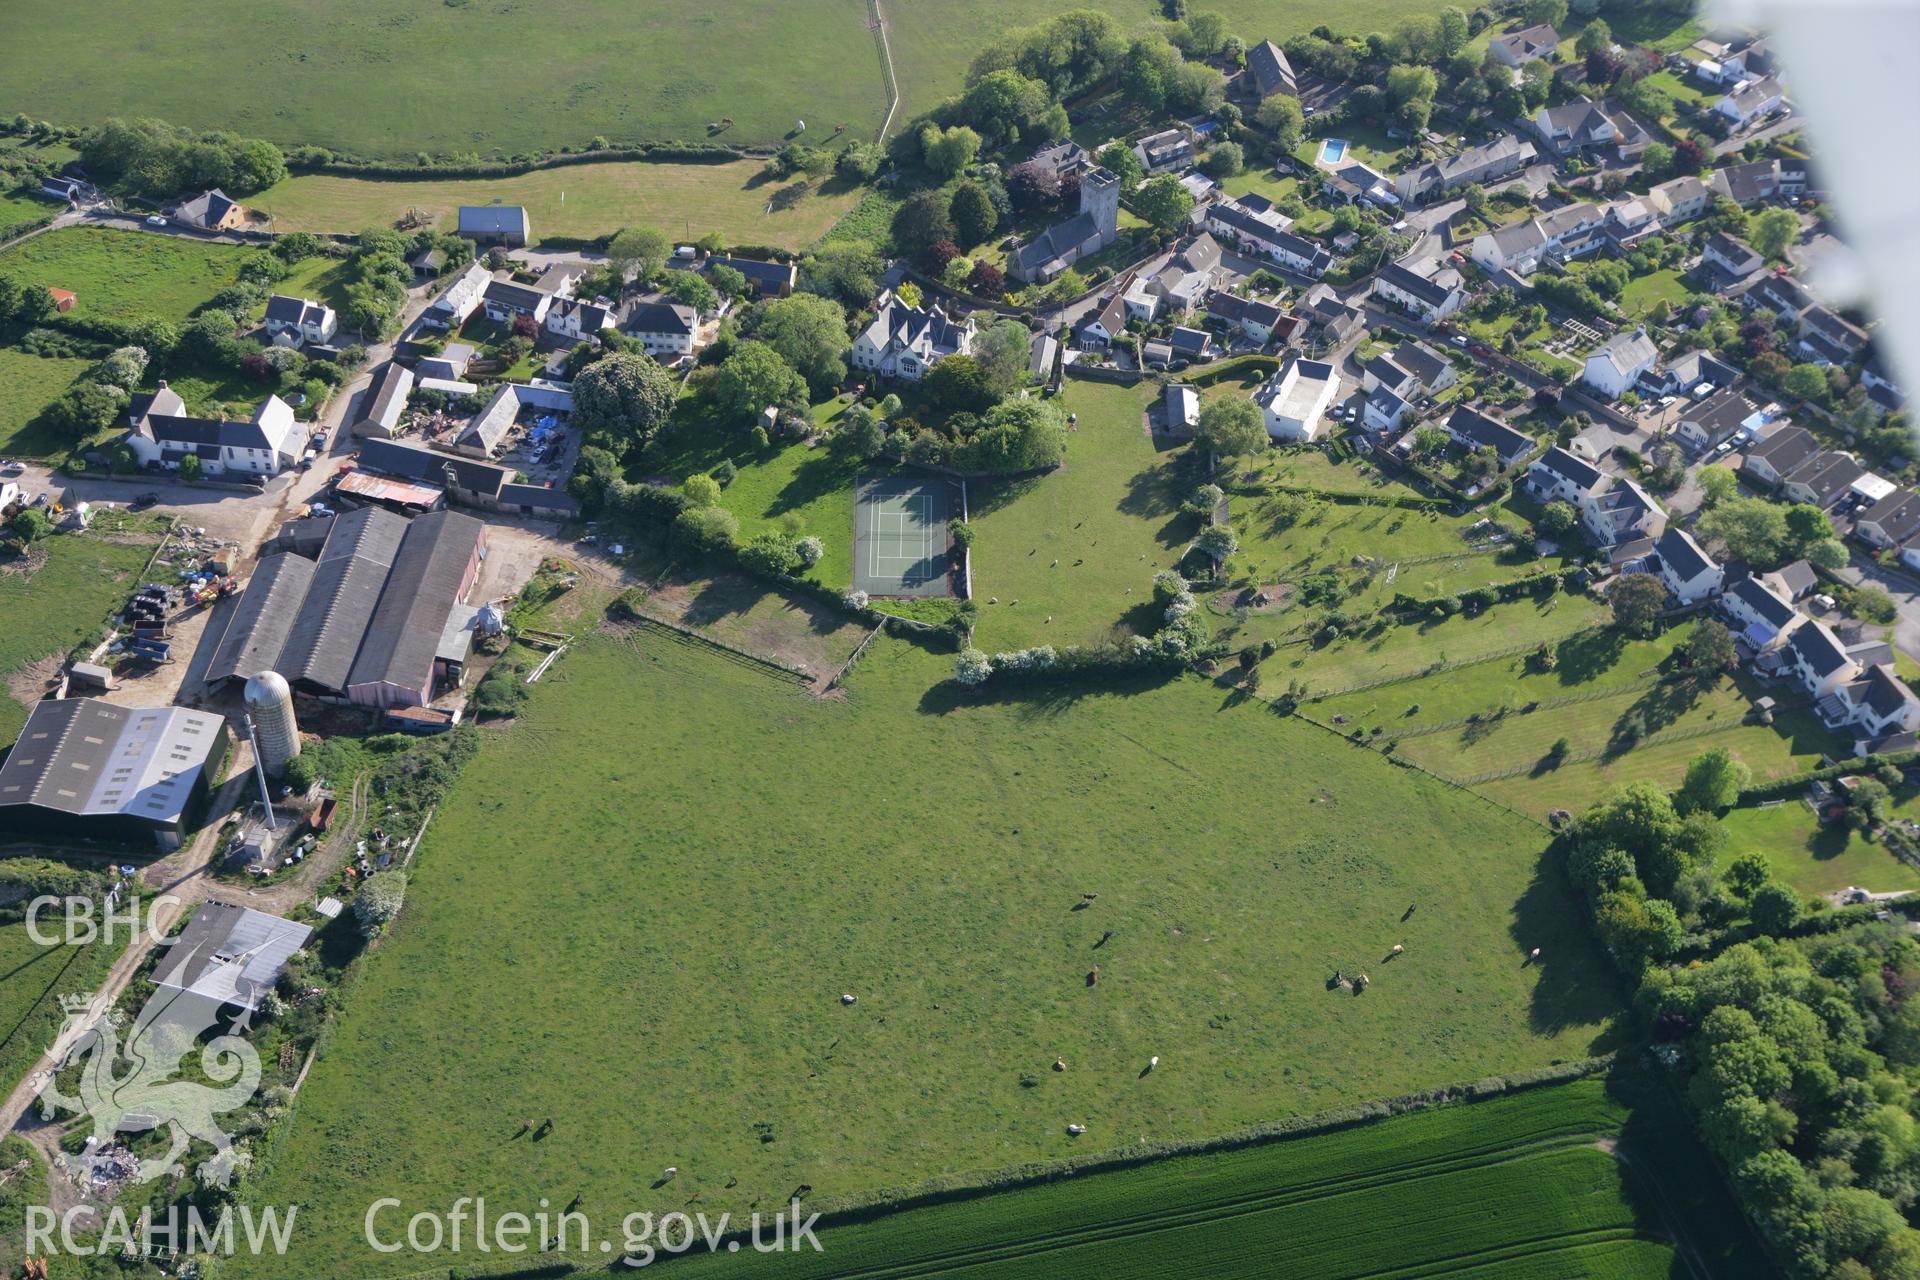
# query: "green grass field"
{"points": [[1515, 1186], [684, 200], [56, 602], [125, 275], [32, 980], [1643, 293], [1816, 858], [31, 384], [18, 209], [698, 993], [1081, 546]]}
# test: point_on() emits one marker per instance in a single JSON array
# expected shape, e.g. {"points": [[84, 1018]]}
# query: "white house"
{"points": [[1426, 290], [1817, 661], [506, 300], [1166, 151], [1558, 476], [1679, 200], [1879, 705], [296, 322], [1183, 407], [1569, 232], [1616, 367], [904, 342], [1621, 511], [1471, 429], [575, 319], [1294, 399], [1762, 614], [263, 445], [451, 309], [669, 329], [1517, 48], [1690, 573], [1890, 522], [1749, 100]]}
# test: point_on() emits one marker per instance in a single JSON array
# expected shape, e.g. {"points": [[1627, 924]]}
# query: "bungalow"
{"points": [[667, 329], [1166, 151], [575, 319], [383, 401], [764, 279], [1471, 429], [1191, 344], [1770, 461], [1426, 290], [1824, 480], [1749, 183], [1254, 319], [1490, 162], [294, 322], [1761, 612], [1270, 72], [1890, 522], [162, 434], [1615, 368], [1690, 573], [904, 342], [1679, 200], [1620, 512], [1558, 476], [491, 224], [1517, 48], [461, 298], [1817, 661], [1704, 424], [1293, 400], [1697, 374], [1748, 101], [1732, 260], [210, 211]]}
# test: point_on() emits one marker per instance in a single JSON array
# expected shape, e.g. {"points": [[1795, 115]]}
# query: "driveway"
{"points": [[1905, 590]]}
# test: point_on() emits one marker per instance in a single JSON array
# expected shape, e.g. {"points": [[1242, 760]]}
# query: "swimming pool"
{"points": [[1332, 151]]}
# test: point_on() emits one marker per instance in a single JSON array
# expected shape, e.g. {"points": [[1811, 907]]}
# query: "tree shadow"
{"points": [[1038, 698], [719, 598], [1574, 985], [829, 470], [1589, 655], [983, 499]]}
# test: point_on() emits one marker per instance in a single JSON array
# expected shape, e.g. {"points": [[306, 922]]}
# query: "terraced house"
{"points": [[162, 435]]}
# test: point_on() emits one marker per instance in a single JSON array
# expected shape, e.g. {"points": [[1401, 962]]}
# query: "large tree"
{"points": [[973, 214], [948, 151], [1771, 232], [1164, 203], [1753, 530], [752, 379], [1713, 782], [638, 251], [1231, 426], [1638, 599], [810, 333], [1003, 350], [921, 222], [627, 394]]}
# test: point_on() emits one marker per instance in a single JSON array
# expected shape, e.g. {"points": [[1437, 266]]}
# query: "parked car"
{"points": [[12, 467], [1459, 339], [155, 220]]}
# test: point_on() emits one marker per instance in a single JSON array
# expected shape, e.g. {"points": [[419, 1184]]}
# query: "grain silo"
{"points": [[270, 704]]}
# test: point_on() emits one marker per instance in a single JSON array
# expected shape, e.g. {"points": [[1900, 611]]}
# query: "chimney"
{"points": [[163, 384]]}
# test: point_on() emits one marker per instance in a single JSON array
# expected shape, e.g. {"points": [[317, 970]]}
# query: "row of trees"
{"points": [[153, 158]]}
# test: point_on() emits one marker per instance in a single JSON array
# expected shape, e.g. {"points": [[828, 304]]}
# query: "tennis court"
{"points": [[900, 537]]}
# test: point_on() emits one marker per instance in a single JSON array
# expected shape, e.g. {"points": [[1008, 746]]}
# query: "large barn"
{"points": [[365, 620], [88, 769]]}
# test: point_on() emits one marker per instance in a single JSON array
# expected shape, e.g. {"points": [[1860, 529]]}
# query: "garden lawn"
{"points": [[1644, 293], [1080, 545], [649, 946], [125, 275], [684, 200], [1515, 1186], [1683, 88], [61, 601], [31, 383], [1816, 858]]}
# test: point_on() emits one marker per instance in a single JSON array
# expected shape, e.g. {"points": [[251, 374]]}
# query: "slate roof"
{"points": [[510, 293], [762, 275], [430, 465], [1272, 73], [1505, 441], [1773, 610], [1819, 648], [1629, 351], [1432, 290], [1882, 691], [1679, 552], [1244, 310], [282, 309], [204, 210], [1897, 514], [1719, 415], [1827, 477], [1563, 464], [1786, 449], [657, 316], [388, 395], [493, 220], [1055, 242], [1530, 43], [1422, 361]]}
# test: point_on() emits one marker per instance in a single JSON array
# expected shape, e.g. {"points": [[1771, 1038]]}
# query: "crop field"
{"points": [[1515, 1186], [59, 597], [125, 275], [1815, 857], [32, 383], [1077, 550], [684, 200], [762, 853]]}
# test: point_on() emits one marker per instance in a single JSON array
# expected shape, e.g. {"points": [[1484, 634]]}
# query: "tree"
{"points": [[1017, 435], [1225, 160], [865, 430], [1595, 37], [123, 368], [921, 222], [1774, 908], [973, 214], [750, 380], [695, 290], [1806, 382], [1164, 203], [986, 280], [1709, 649], [957, 384], [1148, 72], [701, 490], [1827, 553], [948, 151], [1406, 83], [1657, 160], [1118, 159], [860, 162], [1005, 104], [1806, 524], [1717, 484], [1753, 530], [379, 901], [1714, 781], [847, 269], [1230, 427], [1772, 231], [810, 333], [1217, 541], [1548, 13], [30, 524], [626, 393], [1455, 31], [1557, 519], [636, 252], [1002, 352], [972, 668], [1638, 600]]}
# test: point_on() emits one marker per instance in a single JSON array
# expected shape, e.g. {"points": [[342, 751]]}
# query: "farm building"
{"points": [[90, 769], [384, 399], [364, 621], [230, 954], [469, 482], [490, 224]]}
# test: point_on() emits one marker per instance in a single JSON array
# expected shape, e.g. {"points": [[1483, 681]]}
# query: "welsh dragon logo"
{"points": [[129, 1085]]}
